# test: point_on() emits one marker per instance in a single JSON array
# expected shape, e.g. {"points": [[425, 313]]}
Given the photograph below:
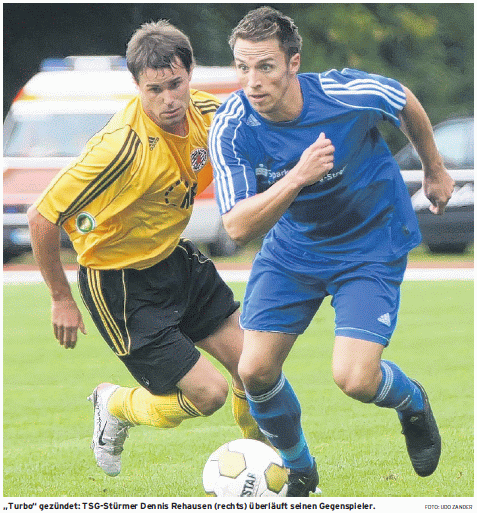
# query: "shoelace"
{"points": [[115, 444]]}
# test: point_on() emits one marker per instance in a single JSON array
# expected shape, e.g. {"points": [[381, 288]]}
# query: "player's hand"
{"points": [[316, 161], [438, 188], [66, 319]]}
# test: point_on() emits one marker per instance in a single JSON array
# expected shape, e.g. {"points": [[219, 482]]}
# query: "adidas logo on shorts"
{"points": [[385, 319]]}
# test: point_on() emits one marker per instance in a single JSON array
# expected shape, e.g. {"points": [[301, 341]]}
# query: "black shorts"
{"points": [[152, 318]]}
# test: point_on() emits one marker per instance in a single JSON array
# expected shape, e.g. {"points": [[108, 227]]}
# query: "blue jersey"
{"points": [[361, 210]]}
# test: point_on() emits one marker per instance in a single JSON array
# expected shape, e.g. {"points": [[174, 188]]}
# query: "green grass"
{"points": [[359, 448]]}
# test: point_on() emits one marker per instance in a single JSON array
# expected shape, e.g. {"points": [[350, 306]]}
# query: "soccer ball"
{"points": [[245, 468]]}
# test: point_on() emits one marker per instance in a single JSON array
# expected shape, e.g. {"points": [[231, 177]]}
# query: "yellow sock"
{"points": [[140, 407], [242, 417]]}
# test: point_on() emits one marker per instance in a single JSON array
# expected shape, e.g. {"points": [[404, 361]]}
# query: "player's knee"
{"points": [[212, 398], [257, 376], [361, 386]]}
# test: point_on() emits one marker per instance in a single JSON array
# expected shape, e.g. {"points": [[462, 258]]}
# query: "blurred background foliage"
{"points": [[428, 47]]}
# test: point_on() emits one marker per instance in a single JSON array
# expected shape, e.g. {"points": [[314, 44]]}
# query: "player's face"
{"points": [[165, 96], [268, 78]]}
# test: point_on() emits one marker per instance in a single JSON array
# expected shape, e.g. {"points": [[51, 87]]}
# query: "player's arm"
{"points": [[437, 183], [65, 315], [256, 215], [48, 213]]}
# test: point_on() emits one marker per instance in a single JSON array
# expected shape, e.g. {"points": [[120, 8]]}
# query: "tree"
{"points": [[428, 47]]}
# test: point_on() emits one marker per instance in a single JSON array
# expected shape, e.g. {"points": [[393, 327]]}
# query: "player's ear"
{"points": [[294, 63]]}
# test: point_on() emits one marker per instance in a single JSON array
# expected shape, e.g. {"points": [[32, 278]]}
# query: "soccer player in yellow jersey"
{"points": [[154, 297]]}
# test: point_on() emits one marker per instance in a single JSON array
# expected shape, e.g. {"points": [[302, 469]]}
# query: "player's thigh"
{"points": [[356, 366], [226, 343], [210, 301], [366, 301], [280, 300], [163, 362]]}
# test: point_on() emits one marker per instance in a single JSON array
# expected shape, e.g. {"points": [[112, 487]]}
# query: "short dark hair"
{"points": [[268, 23], [156, 45]]}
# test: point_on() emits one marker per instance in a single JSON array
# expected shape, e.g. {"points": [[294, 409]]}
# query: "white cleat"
{"points": [[109, 432]]}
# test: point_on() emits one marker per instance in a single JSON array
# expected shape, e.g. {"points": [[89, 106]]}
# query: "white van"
{"points": [[55, 114]]}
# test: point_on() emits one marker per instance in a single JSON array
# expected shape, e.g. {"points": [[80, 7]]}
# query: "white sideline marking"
{"points": [[446, 274], [460, 274]]}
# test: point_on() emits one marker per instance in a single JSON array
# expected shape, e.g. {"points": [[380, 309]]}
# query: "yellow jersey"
{"points": [[126, 200]]}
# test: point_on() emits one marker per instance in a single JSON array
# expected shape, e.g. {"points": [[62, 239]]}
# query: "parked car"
{"points": [[55, 114], [452, 232]]}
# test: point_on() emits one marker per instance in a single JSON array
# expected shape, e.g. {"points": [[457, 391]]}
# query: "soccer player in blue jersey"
{"points": [[299, 158]]}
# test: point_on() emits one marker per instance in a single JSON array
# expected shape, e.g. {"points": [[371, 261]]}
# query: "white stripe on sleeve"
{"points": [[224, 184]]}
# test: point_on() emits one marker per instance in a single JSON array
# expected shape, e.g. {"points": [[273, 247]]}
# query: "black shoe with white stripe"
{"points": [[301, 484]]}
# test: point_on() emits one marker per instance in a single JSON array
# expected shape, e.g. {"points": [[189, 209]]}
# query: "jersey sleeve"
{"points": [[361, 90], [204, 178], [95, 182], [234, 178]]}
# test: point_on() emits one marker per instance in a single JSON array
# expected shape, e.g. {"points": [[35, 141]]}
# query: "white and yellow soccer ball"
{"points": [[245, 468]]}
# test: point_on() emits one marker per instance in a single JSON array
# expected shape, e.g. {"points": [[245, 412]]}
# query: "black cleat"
{"points": [[423, 441], [300, 484]]}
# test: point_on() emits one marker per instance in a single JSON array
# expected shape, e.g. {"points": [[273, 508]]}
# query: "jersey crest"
{"points": [[198, 159], [85, 222]]}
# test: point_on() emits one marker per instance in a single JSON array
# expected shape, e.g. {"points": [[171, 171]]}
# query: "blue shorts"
{"points": [[284, 297]]}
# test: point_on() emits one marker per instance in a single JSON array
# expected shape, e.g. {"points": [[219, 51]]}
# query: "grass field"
{"points": [[359, 449]]}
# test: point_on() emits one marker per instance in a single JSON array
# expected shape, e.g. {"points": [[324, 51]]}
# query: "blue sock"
{"points": [[278, 413], [397, 391]]}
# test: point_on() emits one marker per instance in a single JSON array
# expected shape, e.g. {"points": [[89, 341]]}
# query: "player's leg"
{"points": [[359, 371], [136, 324], [275, 406], [178, 383], [211, 321], [189, 294], [366, 306], [361, 374], [270, 396], [225, 345], [356, 367], [279, 304], [137, 313]]}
